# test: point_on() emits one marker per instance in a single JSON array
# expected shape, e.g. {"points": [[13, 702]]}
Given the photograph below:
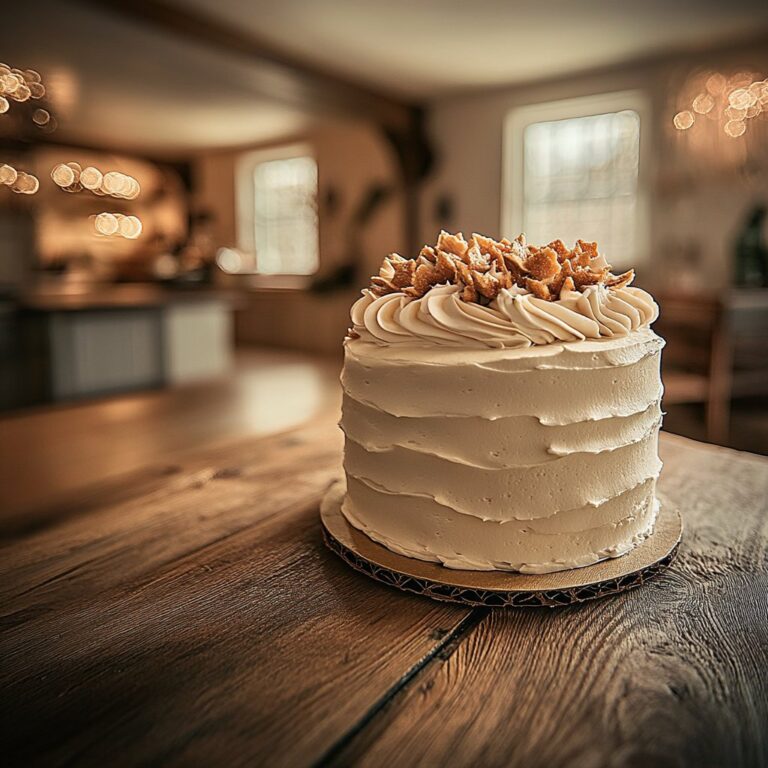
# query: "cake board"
{"points": [[501, 588]]}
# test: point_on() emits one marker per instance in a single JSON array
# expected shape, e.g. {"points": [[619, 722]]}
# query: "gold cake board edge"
{"points": [[500, 588]]}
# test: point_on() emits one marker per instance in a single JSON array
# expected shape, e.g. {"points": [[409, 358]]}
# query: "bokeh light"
{"points": [[683, 120], [129, 227], [41, 116], [106, 224], [8, 174], [63, 175], [26, 183], [731, 102], [91, 178], [703, 103], [109, 224]]}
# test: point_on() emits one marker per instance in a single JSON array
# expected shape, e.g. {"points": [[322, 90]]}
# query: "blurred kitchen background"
{"points": [[192, 194]]}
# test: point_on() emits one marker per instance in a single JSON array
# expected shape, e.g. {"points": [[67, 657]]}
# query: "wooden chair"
{"points": [[697, 361]]}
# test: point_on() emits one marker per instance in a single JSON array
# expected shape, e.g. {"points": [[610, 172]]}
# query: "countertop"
{"points": [[117, 296], [189, 614]]}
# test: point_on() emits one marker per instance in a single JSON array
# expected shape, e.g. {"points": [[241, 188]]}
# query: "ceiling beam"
{"points": [[281, 77]]}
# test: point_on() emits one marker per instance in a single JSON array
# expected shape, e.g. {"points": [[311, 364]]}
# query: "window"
{"points": [[277, 211], [572, 170]]}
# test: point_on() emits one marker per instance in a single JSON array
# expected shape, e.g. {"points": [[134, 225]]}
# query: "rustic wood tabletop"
{"points": [[190, 615]]}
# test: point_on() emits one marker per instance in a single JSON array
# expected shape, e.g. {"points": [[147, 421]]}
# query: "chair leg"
{"points": [[719, 396]]}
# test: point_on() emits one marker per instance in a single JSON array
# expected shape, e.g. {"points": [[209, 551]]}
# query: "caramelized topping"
{"points": [[482, 267]]}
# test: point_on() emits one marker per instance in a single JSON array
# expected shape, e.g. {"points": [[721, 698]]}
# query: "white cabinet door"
{"points": [[96, 352], [198, 340]]}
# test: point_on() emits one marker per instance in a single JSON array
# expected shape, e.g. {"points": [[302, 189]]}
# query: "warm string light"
{"points": [[19, 181], [67, 176], [41, 117], [115, 224], [72, 178], [26, 183], [20, 85], [8, 174], [25, 86], [683, 120], [732, 101]]}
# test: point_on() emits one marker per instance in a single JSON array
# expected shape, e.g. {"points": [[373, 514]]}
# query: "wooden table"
{"points": [[190, 615]]}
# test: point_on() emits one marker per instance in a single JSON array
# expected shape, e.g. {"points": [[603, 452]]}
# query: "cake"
{"points": [[502, 407]]}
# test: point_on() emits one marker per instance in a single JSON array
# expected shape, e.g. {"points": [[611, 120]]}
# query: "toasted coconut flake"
{"points": [[558, 246], [599, 263], [619, 281], [584, 277], [538, 289], [483, 267], [464, 273], [474, 257], [422, 281], [503, 275], [455, 244], [486, 285], [589, 248], [487, 246], [543, 265], [428, 254], [381, 287], [579, 258], [403, 274], [445, 268]]}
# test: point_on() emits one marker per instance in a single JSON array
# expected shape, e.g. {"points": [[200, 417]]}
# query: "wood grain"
{"points": [[202, 622], [51, 459], [189, 614], [674, 673]]}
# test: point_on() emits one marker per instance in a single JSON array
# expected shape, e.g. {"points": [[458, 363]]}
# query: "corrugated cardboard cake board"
{"points": [[501, 588]]}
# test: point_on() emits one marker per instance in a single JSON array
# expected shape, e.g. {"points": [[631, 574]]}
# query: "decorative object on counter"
{"points": [[502, 407], [345, 274], [751, 252]]}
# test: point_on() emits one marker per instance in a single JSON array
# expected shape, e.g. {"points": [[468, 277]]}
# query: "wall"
{"points": [[696, 208], [350, 157]]}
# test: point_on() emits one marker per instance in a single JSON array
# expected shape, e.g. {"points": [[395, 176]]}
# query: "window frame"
{"points": [[513, 160], [245, 210]]}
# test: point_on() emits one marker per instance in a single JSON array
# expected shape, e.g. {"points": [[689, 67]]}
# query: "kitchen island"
{"points": [[89, 341]]}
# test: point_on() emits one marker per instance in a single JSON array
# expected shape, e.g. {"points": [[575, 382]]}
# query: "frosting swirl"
{"points": [[513, 319]]}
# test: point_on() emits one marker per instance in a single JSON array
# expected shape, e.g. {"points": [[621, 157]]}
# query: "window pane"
{"points": [[580, 181], [285, 220]]}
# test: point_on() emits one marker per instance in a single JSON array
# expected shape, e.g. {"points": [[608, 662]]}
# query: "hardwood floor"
{"points": [[50, 457]]}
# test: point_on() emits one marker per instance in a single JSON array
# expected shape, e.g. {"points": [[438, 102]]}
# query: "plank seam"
{"points": [[441, 651]]}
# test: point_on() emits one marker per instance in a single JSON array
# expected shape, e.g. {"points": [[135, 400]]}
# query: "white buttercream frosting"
{"points": [[519, 435], [513, 319]]}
